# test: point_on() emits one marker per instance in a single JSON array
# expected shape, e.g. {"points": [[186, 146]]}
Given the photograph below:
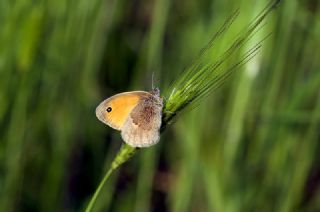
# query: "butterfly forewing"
{"points": [[115, 110]]}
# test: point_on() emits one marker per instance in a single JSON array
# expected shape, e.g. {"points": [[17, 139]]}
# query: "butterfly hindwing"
{"points": [[141, 129]]}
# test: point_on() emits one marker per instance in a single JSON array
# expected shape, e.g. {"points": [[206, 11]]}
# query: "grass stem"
{"points": [[124, 154]]}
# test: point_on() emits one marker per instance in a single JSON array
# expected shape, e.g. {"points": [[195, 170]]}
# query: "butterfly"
{"points": [[137, 114]]}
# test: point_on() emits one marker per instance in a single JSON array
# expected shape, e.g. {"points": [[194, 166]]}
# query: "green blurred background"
{"points": [[253, 145]]}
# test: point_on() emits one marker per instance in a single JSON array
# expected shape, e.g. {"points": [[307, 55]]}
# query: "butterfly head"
{"points": [[155, 92]]}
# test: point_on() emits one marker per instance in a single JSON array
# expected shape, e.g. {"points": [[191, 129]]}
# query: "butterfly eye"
{"points": [[109, 109]]}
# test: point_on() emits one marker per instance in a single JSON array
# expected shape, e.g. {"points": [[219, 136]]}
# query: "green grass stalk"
{"points": [[124, 154]]}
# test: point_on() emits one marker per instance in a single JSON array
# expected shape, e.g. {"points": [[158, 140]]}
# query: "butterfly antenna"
{"points": [[152, 80]]}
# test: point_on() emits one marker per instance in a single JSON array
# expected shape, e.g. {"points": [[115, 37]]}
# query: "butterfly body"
{"points": [[136, 114]]}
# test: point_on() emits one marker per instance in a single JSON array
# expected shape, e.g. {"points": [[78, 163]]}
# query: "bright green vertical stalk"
{"points": [[277, 70], [236, 114], [277, 140], [240, 98], [260, 148]]}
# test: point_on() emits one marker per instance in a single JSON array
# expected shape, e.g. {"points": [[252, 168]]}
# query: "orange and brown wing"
{"points": [[115, 110]]}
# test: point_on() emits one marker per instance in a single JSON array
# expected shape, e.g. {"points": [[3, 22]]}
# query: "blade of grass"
{"points": [[206, 72]]}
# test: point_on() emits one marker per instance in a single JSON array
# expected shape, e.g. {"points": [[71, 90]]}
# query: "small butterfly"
{"points": [[137, 114]]}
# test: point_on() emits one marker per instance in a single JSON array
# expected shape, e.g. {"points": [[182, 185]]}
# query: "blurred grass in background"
{"points": [[251, 146]]}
